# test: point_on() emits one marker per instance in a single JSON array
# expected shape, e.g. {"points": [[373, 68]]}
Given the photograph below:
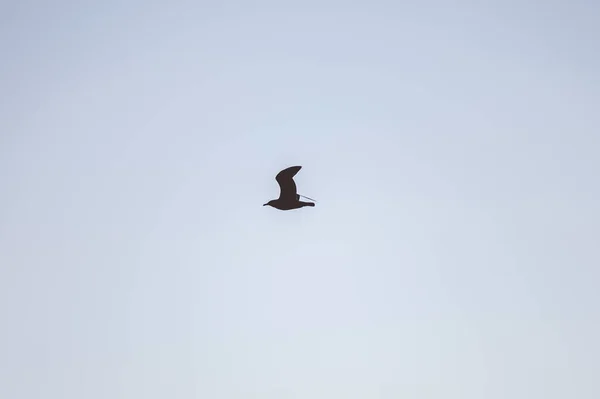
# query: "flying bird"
{"points": [[288, 195]]}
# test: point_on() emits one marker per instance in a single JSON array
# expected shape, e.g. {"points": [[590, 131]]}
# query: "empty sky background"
{"points": [[452, 148]]}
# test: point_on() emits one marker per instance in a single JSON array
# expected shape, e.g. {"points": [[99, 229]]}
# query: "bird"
{"points": [[288, 195]]}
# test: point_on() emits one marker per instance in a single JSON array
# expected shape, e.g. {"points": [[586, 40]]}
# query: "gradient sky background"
{"points": [[452, 149]]}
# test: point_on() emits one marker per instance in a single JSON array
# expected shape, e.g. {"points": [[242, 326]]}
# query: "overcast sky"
{"points": [[452, 150]]}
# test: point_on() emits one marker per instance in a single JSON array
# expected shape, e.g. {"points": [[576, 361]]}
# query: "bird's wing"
{"points": [[285, 179]]}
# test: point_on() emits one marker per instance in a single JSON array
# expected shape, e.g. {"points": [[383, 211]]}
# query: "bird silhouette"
{"points": [[288, 195]]}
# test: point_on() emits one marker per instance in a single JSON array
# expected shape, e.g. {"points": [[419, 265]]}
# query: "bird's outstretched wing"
{"points": [[287, 186]]}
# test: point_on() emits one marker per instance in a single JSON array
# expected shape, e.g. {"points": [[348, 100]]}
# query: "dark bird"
{"points": [[288, 196]]}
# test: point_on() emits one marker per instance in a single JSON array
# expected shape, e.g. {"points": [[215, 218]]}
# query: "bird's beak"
{"points": [[265, 204]]}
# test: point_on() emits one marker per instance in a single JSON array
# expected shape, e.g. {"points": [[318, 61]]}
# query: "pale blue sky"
{"points": [[452, 149]]}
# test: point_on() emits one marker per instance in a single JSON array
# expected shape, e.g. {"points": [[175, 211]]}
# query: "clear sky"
{"points": [[452, 148]]}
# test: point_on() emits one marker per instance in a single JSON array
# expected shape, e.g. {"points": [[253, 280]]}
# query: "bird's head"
{"points": [[270, 203]]}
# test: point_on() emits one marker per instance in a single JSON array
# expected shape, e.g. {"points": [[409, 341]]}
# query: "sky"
{"points": [[452, 149]]}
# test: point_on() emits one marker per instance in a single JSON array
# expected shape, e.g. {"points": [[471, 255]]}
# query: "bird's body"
{"points": [[286, 206], [288, 196]]}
